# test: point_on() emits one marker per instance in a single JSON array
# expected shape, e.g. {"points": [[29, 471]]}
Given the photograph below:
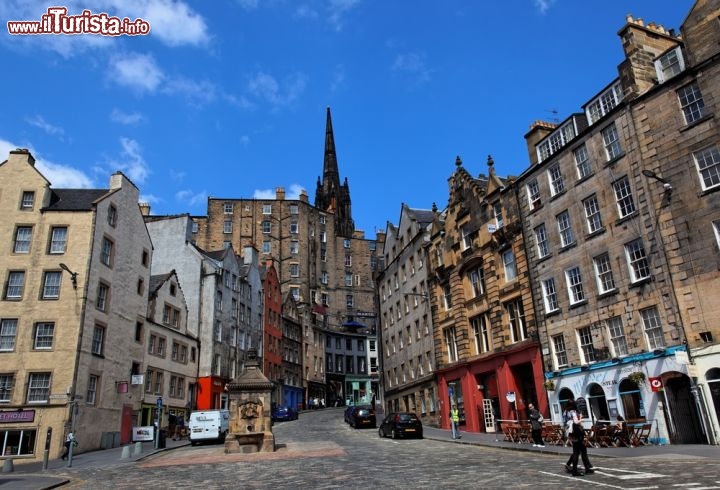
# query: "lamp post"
{"points": [[696, 394], [73, 409]]}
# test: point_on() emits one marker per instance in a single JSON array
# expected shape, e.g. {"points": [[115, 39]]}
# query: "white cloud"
{"points": [[136, 71], [265, 87], [59, 175], [191, 198], [127, 118], [196, 92], [244, 140], [337, 11], [291, 192], [248, 4], [131, 162], [173, 22], [177, 175], [544, 5], [338, 78], [412, 64], [39, 122]]}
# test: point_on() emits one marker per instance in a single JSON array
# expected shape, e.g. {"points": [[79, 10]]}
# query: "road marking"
{"points": [[631, 475], [588, 481]]}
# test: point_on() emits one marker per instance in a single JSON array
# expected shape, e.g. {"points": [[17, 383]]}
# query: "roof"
{"points": [[158, 280], [74, 199], [422, 216]]}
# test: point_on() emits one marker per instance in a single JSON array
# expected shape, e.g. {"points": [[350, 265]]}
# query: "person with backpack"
{"points": [[576, 434], [536, 421]]}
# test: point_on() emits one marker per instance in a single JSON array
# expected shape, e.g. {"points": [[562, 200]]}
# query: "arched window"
{"points": [[598, 403], [563, 396], [631, 400], [713, 381]]}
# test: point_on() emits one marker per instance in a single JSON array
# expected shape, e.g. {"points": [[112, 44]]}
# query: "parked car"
{"points": [[347, 412], [280, 414], [361, 416], [401, 424]]}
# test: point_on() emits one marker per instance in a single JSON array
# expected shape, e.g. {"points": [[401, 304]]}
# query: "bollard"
{"points": [[138, 449], [8, 466], [125, 452]]}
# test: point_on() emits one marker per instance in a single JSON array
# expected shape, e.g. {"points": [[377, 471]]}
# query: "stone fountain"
{"points": [[250, 418]]}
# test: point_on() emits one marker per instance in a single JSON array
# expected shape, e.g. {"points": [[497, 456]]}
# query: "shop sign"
{"points": [[145, 433], [17, 416]]}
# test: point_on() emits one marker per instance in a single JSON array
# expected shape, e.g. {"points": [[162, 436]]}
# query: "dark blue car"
{"points": [[280, 414]]}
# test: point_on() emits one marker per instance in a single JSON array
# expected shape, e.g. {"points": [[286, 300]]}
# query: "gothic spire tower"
{"points": [[330, 195]]}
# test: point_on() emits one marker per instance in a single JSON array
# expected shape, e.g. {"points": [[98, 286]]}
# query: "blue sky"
{"points": [[227, 98]]}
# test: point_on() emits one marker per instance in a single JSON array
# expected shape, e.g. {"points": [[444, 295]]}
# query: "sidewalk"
{"points": [[679, 451], [31, 476]]}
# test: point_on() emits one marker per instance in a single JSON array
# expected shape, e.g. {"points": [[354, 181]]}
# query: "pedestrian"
{"points": [[576, 434], [455, 422], [69, 439], [536, 421]]}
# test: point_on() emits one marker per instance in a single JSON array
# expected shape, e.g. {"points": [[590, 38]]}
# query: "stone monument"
{"points": [[250, 418]]}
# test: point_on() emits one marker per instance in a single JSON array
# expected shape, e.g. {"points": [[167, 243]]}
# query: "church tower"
{"points": [[330, 195]]}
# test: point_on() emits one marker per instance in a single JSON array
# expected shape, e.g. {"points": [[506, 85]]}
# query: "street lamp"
{"points": [[73, 275]]}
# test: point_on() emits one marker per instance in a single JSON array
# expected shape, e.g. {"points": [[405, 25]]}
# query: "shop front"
{"points": [[649, 388]]}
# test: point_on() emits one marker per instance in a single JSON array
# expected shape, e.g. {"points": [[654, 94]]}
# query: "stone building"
{"points": [[621, 211], [320, 258], [292, 355], [486, 337], [273, 347], [74, 302], [406, 332], [171, 354]]}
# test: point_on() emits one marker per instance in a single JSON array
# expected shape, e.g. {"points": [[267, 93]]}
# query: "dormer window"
{"points": [[669, 64], [604, 103]]}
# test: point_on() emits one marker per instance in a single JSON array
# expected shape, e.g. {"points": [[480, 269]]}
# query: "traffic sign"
{"points": [[159, 402], [510, 396]]}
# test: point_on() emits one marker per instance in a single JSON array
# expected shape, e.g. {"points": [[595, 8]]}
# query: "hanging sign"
{"points": [[656, 384], [510, 396]]}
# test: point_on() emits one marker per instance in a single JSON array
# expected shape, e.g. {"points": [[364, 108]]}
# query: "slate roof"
{"points": [[74, 199]]}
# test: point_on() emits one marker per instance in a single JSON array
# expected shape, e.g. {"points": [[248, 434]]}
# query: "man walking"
{"points": [[536, 420]]}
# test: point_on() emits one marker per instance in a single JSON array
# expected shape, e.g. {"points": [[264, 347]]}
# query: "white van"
{"points": [[208, 425]]}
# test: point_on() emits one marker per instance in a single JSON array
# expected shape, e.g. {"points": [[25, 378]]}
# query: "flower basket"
{"points": [[549, 385], [637, 377]]}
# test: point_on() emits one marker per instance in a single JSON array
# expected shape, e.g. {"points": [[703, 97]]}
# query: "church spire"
{"points": [[330, 196]]}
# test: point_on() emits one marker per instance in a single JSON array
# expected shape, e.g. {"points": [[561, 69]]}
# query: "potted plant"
{"points": [[549, 385], [637, 377]]}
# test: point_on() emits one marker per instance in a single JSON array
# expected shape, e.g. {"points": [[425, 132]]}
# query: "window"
{"points": [[44, 332], [159, 383], [38, 388], [112, 215], [8, 331], [691, 102], [447, 297], [465, 237], [586, 345], [294, 227], [574, 285], [510, 266], [98, 340], [611, 140], [669, 64], [92, 387], [294, 247], [567, 237], [616, 333], [28, 200], [266, 247], [556, 140], [477, 281], [604, 102], [346, 243], [592, 214], [582, 162], [481, 333], [103, 297], [58, 239], [106, 252], [652, 328], [624, 197], [194, 227], [555, 178], [227, 226], [23, 237], [15, 285], [294, 270], [324, 277], [149, 380], [637, 260], [708, 165], [497, 212], [716, 228], [451, 344], [559, 351], [533, 193], [267, 209], [266, 226], [603, 273], [51, 285], [7, 382], [349, 300], [348, 279], [348, 260], [541, 238], [294, 209], [550, 295], [516, 320], [228, 208]]}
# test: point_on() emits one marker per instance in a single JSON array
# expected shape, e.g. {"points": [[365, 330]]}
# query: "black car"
{"points": [[401, 424], [361, 416]]}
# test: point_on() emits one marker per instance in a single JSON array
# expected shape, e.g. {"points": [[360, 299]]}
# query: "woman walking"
{"points": [[536, 420], [577, 437]]}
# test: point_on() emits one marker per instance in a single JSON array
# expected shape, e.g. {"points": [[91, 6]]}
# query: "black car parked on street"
{"points": [[401, 424], [361, 416]]}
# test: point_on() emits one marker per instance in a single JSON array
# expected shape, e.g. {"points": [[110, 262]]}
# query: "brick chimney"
{"points": [[22, 154], [280, 193], [144, 208], [538, 131]]}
